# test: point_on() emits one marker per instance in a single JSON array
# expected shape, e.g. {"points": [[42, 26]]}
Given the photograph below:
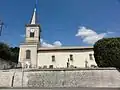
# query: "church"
{"points": [[33, 55]]}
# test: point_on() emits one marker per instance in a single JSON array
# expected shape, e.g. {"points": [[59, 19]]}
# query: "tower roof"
{"points": [[34, 17]]}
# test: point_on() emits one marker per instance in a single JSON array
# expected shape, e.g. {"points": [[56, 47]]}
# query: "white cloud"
{"points": [[44, 44], [89, 36], [109, 32], [84, 32], [41, 40], [55, 44], [23, 35]]}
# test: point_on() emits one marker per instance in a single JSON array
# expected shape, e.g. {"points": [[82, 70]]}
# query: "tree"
{"points": [[107, 52], [14, 54], [4, 51], [9, 53]]}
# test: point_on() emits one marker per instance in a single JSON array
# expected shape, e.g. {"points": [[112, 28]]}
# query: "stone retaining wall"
{"points": [[6, 79], [76, 78]]}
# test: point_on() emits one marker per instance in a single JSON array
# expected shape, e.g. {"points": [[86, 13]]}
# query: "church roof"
{"points": [[65, 48]]}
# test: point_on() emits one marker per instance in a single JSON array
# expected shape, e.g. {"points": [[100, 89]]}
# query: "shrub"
{"points": [[107, 52]]}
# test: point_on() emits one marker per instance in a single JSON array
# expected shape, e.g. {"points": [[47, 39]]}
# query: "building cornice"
{"points": [[32, 25], [65, 49], [29, 43]]}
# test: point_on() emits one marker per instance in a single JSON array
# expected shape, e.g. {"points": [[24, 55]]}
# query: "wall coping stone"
{"points": [[57, 69], [68, 69]]}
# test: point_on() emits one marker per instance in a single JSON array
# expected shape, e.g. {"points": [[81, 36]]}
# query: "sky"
{"points": [[63, 22]]}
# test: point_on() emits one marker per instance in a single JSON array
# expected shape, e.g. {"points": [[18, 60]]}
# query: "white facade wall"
{"points": [[22, 55], [61, 58]]}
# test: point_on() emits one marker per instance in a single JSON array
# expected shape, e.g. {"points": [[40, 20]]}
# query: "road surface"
{"points": [[62, 89]]}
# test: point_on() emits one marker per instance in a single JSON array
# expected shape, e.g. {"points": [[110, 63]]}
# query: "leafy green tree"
{"points": [[14, 54], [5, 51], [9, 53], [107, 52]]}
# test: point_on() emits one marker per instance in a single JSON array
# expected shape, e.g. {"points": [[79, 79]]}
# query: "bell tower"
{"points": [[33, 29], [28, 49]]}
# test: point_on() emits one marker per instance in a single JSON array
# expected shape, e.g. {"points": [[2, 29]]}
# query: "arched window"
{"points": [[28, 54], [31, 34], [53, 58]]}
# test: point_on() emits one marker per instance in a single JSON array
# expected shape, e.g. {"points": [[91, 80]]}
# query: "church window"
{"points": [[51, 66], [53, 58], [28, 54], [31, 34], [71, 57], [44, 67], [90, 56]]}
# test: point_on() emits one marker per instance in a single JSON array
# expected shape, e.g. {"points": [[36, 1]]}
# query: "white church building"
{"points": [[33, 55]]}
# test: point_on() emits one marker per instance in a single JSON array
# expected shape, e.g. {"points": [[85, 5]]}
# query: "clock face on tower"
{"points": [[32, 30]]}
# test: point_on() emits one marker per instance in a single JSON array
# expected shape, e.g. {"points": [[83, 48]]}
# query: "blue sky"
{"points": [[69, 22]]}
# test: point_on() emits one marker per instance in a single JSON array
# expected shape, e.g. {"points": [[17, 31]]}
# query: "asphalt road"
{"points": [[64, 89]]}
